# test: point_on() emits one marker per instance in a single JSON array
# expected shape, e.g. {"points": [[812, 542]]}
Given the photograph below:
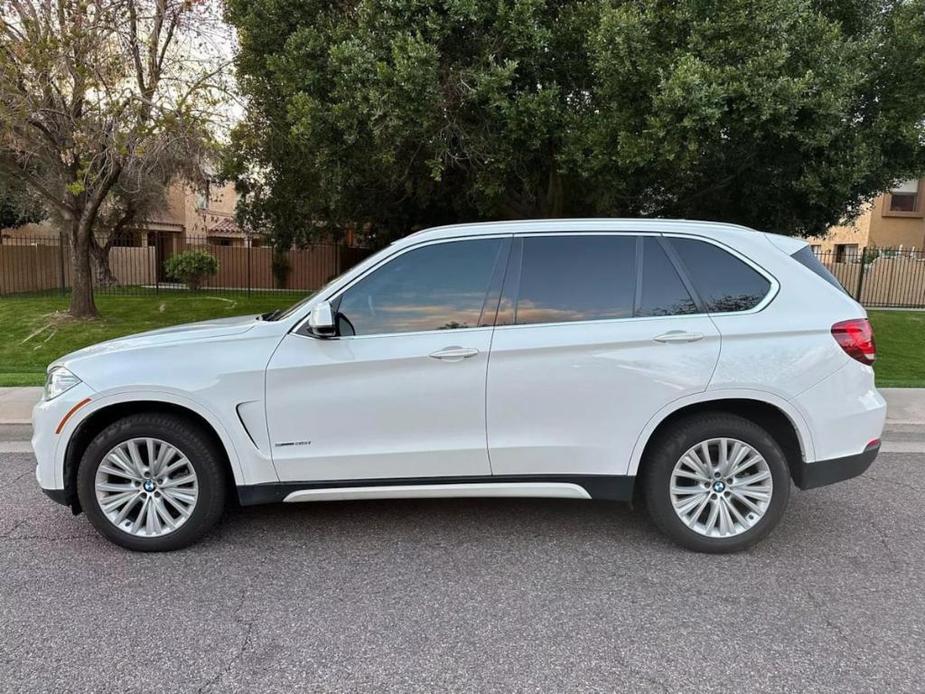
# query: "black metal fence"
{"points": [[879, 277], [138, 265]]}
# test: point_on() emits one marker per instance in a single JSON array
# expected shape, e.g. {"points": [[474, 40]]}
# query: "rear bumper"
{"points": [[823, 472], [844, 413]]}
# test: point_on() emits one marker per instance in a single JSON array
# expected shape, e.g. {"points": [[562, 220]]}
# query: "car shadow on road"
{"points": [[443, 520]]}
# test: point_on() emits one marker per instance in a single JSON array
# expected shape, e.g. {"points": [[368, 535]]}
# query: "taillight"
{"points": [[857, 339]]}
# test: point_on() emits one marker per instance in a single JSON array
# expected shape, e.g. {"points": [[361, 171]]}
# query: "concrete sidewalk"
{"points": [[906, 406], [16, 404]]}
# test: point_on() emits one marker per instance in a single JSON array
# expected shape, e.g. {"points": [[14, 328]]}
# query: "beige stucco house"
{"points": [[895, 220], [190, 216]]}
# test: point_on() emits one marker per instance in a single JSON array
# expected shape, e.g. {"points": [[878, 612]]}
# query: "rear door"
{"points": [[596, 332]]}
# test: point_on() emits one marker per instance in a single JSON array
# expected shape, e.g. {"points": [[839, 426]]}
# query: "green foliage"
{"points": [[18, 206], [784, 115], [191, 267]]}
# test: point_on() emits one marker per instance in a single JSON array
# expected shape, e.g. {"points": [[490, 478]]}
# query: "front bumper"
{"points": [[823, 472], [50, 445]]}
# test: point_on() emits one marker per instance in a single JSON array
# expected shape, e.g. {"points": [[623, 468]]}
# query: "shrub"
{"points": [[191, 267]]}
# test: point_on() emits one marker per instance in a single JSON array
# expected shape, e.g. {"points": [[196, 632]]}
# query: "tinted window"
{"points": [[573, 278], [663, 293], [723, 281], [807, 258], [437, 287]]}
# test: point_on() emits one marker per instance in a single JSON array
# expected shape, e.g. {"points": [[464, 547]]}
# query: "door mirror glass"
{"points": [[321, 320]]}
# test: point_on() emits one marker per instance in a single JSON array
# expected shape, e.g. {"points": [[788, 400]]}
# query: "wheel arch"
{"points": [[773, 414], [105, 414]]}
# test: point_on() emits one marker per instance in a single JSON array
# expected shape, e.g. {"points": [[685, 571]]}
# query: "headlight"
{"points": [[59, 380]]}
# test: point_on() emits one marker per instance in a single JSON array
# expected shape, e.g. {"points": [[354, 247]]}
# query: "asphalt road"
{"points": [[471, 595]]}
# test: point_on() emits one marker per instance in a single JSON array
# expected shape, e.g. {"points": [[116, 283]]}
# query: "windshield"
{"points": [[281, 313]]}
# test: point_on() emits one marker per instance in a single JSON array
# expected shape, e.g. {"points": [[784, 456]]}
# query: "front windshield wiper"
{"points": [[270, 315]]}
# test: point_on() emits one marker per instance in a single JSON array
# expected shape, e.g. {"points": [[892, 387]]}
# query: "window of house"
{"points": [[441, 286], [126, 238], [576, 278], [724, 282], [904, 198], [846, 252], [202, 196]]}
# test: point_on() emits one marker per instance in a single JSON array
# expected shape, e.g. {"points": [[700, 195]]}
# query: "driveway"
{"points": [[471, 595]]}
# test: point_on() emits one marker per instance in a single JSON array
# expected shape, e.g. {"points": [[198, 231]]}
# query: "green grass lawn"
{"points": [[900, 337], [37, 330]]}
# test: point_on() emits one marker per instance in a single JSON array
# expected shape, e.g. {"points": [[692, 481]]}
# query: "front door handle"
{"points": [[678, 336], [454, 353]]}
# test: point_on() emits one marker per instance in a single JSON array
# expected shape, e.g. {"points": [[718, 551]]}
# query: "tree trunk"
{"points": [[82, 304], [554, 202], [88, 207], [100, 255]]}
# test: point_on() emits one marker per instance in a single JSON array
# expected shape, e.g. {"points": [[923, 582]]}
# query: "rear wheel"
{"points": [[152, 482], [716, 483]]}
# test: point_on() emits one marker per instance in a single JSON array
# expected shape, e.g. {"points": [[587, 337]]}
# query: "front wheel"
{"points": [[716, 483], [151, 482]]}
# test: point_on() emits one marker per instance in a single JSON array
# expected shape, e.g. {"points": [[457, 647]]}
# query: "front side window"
{"points": [[724, 282], [576, 278], [437, 287]]}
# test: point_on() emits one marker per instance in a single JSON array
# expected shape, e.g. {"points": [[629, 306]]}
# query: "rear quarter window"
{"points": [[808, 259], [724, 283]]}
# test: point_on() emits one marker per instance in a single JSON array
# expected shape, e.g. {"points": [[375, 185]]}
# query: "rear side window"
{"points": [[663, 293], [807, 258], [576, 278], [723, 281]]}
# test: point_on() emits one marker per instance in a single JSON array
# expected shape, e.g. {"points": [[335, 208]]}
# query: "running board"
{"points": [[548, 490], [609, 487]]}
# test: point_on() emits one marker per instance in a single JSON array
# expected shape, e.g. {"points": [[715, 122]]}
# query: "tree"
{"points": [[786, 115], [95, 96], [139, 194]]}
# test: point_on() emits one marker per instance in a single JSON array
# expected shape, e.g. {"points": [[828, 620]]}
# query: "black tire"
{"points": [[667, 450], [198, 449]]}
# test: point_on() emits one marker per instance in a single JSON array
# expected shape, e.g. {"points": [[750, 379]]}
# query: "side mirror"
{"points": [[321, 321]]}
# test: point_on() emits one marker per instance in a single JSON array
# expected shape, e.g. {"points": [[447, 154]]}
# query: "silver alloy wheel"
{"points": [[721, 487], [146, 487]]}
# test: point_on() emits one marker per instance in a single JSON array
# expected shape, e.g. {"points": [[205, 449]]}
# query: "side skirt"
{"points": [[610, 487]]}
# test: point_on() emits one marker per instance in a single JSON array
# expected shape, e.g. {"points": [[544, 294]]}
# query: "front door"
{"points": [[596, 334], [400, 392]]}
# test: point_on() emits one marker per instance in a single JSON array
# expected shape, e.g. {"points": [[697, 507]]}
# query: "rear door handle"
{"points": [[454, 353], [678, 336]]}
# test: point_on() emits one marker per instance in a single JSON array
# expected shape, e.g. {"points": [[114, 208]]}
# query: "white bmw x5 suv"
{"points": [[696, 367]]}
